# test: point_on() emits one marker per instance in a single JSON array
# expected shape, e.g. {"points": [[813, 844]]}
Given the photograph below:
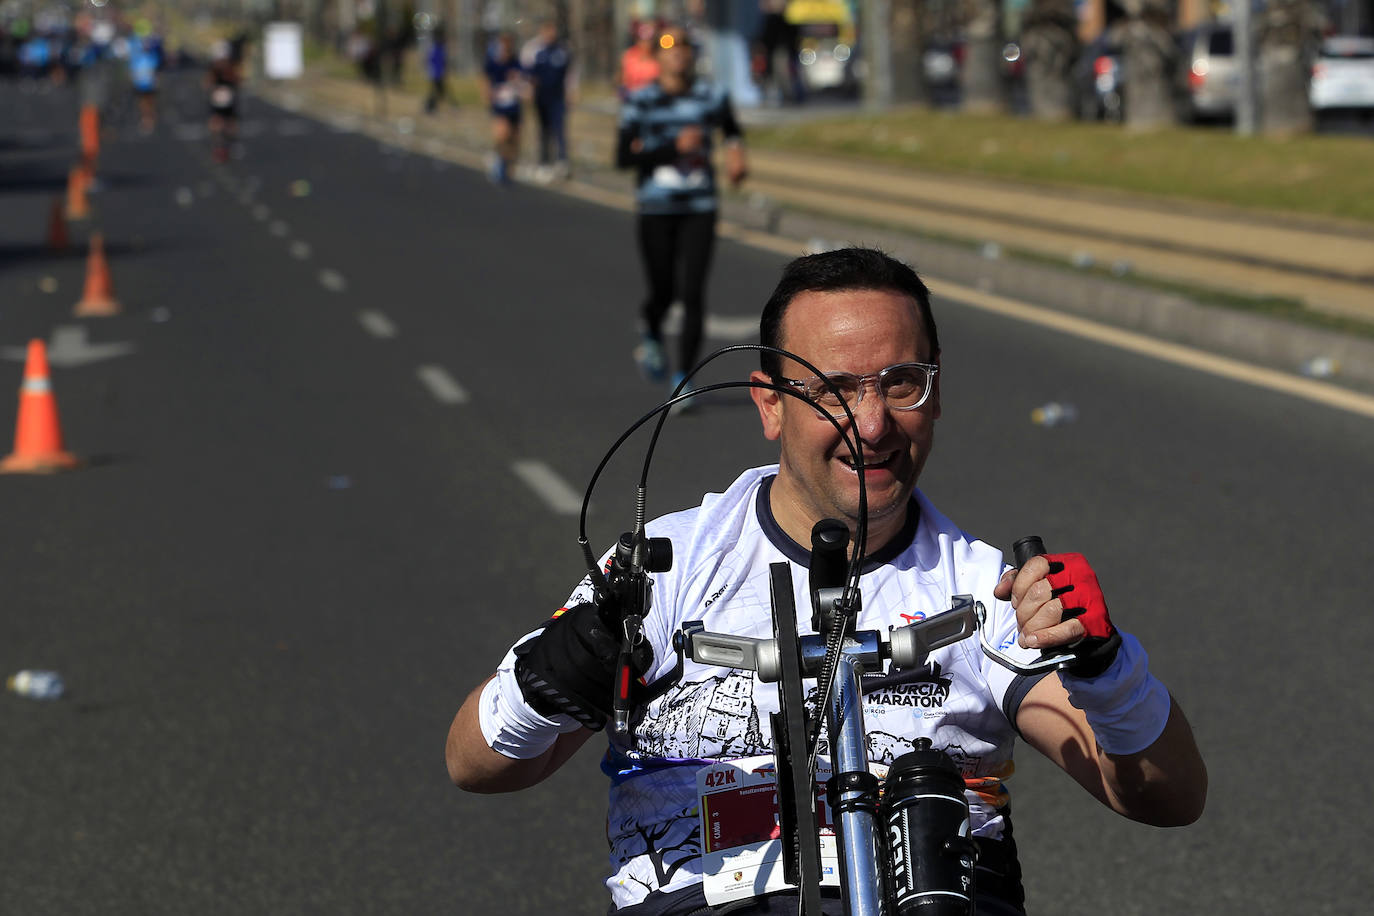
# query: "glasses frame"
{"points": [[863, 382]]}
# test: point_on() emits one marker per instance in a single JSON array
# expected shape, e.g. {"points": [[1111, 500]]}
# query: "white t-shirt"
{"points": [[964, 702]]}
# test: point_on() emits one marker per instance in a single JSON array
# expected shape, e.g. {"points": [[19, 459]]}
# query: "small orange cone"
{"points": [[90, 134], [57, 228], [98, 298], [37, 435], [78, 207]]}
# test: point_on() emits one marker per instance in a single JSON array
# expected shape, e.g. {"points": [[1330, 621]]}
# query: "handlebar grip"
{"points": [[1026, 548]]}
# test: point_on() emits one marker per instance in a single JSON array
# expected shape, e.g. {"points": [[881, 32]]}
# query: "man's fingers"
{"points": [[1002, 591], [1062, 634]]}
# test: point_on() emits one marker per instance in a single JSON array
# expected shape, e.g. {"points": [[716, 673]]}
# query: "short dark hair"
{"points": [[834, 271]]}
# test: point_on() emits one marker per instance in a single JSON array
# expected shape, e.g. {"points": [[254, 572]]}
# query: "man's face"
{"points": [[863, 332], [675, 56]]}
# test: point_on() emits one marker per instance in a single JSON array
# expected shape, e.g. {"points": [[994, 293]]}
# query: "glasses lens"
{"points": [[845, 384], [904, 386]]}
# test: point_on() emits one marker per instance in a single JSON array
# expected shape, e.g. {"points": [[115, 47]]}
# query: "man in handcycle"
{"points": [[864, 320]]}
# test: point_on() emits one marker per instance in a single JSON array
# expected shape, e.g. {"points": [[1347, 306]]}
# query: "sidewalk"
{"points": [[960, 229]]}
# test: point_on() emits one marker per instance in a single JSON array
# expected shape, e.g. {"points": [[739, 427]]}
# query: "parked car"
{"points": [[1097, 77], [1208, 78], [1343, 75]]}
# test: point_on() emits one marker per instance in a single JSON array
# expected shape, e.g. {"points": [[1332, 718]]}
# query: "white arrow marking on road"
{"points": [[717, 327], [333, 280], [442, 385], [69, 348], [376, 324], [549, 487]]}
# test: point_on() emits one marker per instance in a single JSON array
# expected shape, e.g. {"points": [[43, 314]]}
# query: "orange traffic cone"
{"points": [[98, 299], [37, 436], [90, 134], [57, 228], [78, 207]]}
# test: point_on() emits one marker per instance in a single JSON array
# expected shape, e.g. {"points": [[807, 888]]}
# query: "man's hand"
{"points": [[735, 166], [1058, 602], [689, 139], [570, 668]]}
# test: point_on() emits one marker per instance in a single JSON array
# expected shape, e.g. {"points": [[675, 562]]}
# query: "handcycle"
{"points": [[902, 840]]}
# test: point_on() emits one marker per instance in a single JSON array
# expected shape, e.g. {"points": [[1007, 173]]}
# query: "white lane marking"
{"points": [[1174, 353], [442, 385], [261, 212], [333, 281], [300, 250], [1177, 354], [549, 487], [279, 228], [717, 327], [376, 323]]}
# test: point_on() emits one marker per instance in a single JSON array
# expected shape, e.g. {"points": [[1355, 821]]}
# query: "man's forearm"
{"points": [[1165, 784], [475, 767]]}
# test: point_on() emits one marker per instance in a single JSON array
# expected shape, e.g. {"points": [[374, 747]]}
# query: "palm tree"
{"points": [[980, 81], [1049, 39], [1148, 54]]}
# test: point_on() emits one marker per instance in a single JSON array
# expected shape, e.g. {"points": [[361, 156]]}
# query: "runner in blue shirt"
{"points": [[666, 135], [504, 88]]}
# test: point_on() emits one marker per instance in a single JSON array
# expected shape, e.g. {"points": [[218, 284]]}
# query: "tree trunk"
{"points": [[908, 52], [1049, 41], [1148, 60], [980, 81], [1286, 33]]}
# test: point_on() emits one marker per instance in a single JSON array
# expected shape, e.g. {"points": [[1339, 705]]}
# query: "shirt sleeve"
{"points": [[1009, 687]]}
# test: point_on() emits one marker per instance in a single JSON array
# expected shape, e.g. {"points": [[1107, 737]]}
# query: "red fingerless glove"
{"points": [[1075, 585]]}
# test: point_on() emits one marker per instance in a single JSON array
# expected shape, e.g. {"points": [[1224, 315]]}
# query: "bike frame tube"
{"points": [[860, 851]]}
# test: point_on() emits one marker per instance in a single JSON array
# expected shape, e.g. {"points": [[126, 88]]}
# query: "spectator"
{"points": [[549, 64], [639, 63]]}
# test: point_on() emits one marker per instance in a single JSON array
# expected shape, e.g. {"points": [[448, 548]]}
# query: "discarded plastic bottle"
{"points": [[36, 685], [1054, 413]]}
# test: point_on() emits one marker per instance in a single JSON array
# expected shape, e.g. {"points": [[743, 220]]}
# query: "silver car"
{"points": [[1208, 78], [1343, 74]]}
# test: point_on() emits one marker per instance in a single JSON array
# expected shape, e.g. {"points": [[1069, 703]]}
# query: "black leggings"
{"points": [[664, 242]]}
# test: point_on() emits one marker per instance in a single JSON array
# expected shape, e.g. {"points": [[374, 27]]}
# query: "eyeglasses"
{"points": [[904, 386]]}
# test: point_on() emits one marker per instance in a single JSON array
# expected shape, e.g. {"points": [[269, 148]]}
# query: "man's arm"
{"points": [[1164, 785], [1151, 769], [475, 767]]}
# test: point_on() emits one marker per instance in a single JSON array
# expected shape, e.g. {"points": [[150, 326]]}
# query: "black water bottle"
{"points": [[931, 853]]}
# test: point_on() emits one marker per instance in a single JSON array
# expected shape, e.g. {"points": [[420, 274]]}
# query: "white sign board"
{"points": [[282, 58]]}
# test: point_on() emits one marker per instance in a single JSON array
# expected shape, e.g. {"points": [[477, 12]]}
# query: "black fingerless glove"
{"points": [[570, 668]]}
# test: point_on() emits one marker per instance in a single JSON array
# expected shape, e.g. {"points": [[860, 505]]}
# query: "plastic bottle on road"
{"points": [[36, 685], [1054, 413]]}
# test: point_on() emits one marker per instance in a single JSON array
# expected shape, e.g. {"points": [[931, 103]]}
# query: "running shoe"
{"points": [[681, 406], [649, 357]]}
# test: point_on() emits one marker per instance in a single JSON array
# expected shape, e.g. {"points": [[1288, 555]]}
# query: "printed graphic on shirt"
{"points": [[716, 717]]}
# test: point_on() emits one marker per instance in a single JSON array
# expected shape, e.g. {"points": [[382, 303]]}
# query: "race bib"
{"points": [[741, 849], [222, 97]]}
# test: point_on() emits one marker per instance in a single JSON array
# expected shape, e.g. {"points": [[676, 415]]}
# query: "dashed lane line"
{"points": [[442, 385], [300, 250], [333, 281], [376, 324], [549, 487]]}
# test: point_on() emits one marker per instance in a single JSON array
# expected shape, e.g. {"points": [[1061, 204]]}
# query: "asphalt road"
{"points": [[307, 528]]}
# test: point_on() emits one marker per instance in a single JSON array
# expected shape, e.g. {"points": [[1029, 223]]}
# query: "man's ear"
{"points": [[769, 403]]}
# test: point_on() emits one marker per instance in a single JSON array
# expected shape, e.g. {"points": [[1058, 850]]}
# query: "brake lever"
{"points": [[1044, 663]]}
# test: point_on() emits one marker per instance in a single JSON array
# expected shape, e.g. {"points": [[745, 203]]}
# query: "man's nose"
{"points": [[871, 415]]}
